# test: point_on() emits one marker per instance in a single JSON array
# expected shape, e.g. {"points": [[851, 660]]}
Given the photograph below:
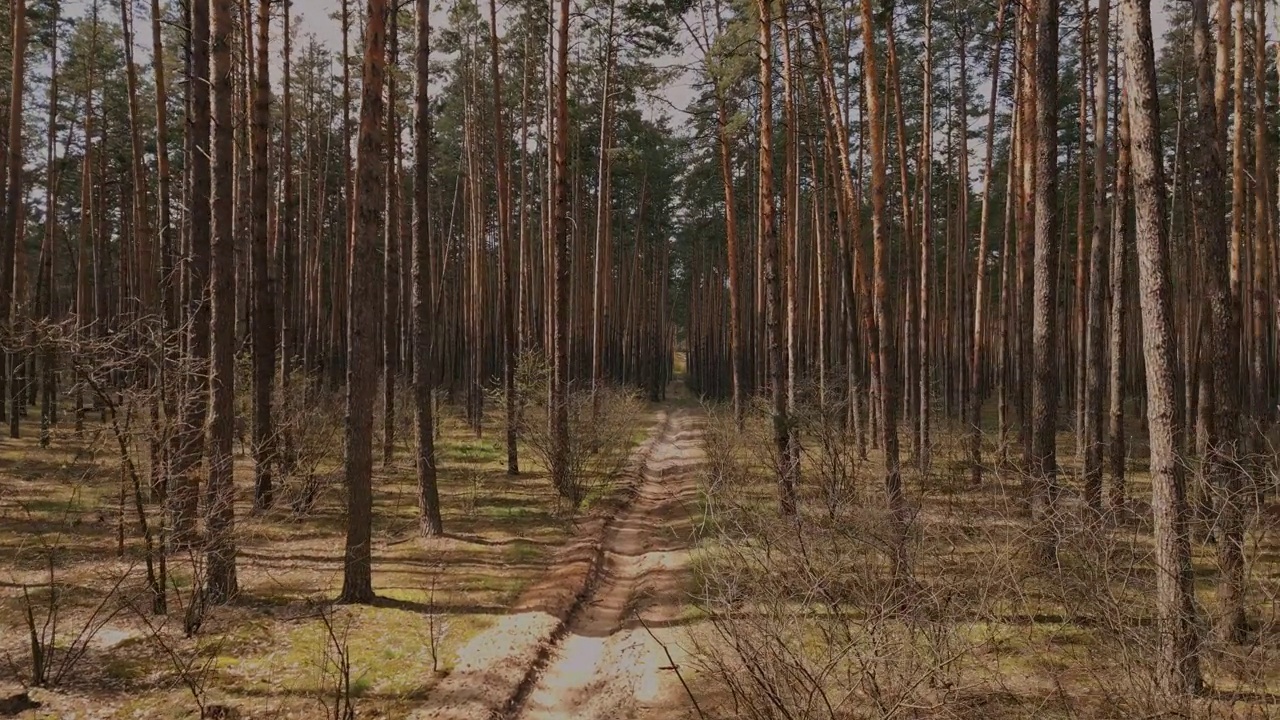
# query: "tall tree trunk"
{"points": [[1178, 670], [220, 513], [84, 298], [184, 495], [926, 241], [429, 521], [363, 310], [1094, 362], [1262, 233], [1223, 353], [885, 368], [976, 393], [1044, 466], [1121, 241], [559, 401], [391, 253], [264, 312], [507, 290], [773, 269]]}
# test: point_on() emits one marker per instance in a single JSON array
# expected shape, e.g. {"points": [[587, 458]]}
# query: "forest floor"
{"points": [[510, 551]]}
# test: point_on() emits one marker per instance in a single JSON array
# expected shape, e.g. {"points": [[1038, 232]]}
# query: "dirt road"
{"points": [[593, 657]]}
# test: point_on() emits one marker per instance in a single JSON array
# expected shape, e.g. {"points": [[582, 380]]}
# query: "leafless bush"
{"points": [[802, 622], [800, 625], [308, 439], [192, 661], [830, 454], [55, 652], [600, 431], [338, 699]]}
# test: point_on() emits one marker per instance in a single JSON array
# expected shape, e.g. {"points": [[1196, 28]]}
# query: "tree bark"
{"points": [[220, 564], [429, 520], [264, 312], [1178, 670], [363, 311]]}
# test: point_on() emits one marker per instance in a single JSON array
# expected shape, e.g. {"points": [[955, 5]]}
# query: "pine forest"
{"points": [[639, 359]]}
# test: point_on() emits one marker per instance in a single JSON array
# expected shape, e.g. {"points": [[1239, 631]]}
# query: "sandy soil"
{"points": [[592, 640]]}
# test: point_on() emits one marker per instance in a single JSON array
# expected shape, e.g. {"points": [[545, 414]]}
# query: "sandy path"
{"points": [[572, 647], [607, 664]]}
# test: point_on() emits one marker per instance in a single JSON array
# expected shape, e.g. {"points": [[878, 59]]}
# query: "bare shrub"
{"points": [[308, 439], [338, 698], [192, 660], [54, 651], [600, 432], [803, 620]]}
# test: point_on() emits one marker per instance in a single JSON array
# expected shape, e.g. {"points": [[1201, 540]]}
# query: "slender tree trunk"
{"points": [[1044, 466], [507, 289], [429, 521], [1223, 352], [264, 312], [984, 232], [391, 253], [1121, 241], [220, 512], [559, 404], [926, 242], [885, 367], [184, 495], [1178, 670], [363, 311], [773, 269], [1094, 363]]}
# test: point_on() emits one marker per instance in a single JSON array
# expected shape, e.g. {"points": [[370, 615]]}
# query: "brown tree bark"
{"points": [[1094, 363], [1223, 352], [772, 269], [184, 495], [220, 564], [885, 367], [976, 394], [1178, 670], [363, 310], [507, 288], [559, 401], [1121, 242], [264, 312], [429, 521], [1044, 405]]}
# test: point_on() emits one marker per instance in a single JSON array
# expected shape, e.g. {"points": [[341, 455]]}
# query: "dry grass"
{"points": [[805, 619], [268, 654]]}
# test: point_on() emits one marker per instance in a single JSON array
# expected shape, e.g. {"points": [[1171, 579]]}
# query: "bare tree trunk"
{"points": [[429, 521], [84, 298], [772, 269], [559, 404], [391, 253], [507, 289], [984, 231], [220, 510], [264, 312], [1121, 240], [926, 241], [885, 367], [1262, 205], [1094, 367], [1178, 670], [1044, 465], [184, 495], [363, 310], [1223, 353]]}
